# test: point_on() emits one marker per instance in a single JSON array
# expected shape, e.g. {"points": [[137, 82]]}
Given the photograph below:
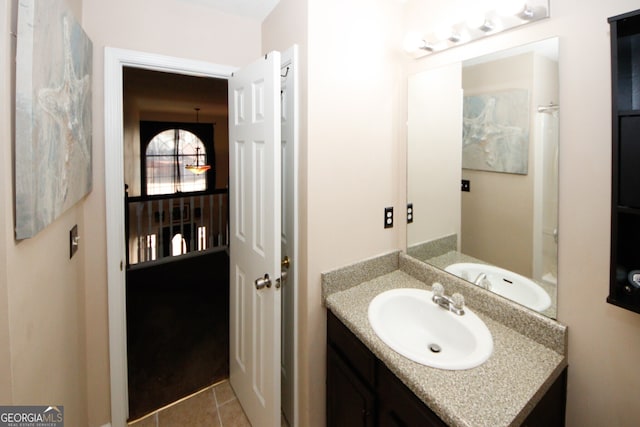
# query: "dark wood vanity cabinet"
{"points": [[624, 284], [362, 391], [355, 404], [399, 406]]}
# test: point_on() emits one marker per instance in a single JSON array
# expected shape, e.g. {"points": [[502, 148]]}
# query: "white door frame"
{"points": [[114, 62], [290, 199]]}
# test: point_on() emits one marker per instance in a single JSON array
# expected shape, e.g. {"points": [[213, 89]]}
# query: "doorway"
{"points": [[115, 61], [177, 268]]}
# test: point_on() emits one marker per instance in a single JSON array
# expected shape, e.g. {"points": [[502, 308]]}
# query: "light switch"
{"points": [[74, 241]]}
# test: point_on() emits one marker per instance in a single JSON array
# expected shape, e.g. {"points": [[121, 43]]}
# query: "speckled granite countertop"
{"points": [[528, 355]]}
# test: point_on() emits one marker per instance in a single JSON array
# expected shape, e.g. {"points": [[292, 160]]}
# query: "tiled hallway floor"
{"points": [[215, 406]]}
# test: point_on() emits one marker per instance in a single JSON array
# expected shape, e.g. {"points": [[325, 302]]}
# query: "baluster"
{"points": [[160, 252], [170, 242], [139, 209], [201, 238], [219, 219], [147, 239], [181, 223], [212, 243], [192, 238]]}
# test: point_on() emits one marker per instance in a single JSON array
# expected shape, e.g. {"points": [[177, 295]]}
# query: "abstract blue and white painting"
{"points": [[53, 147], [495, 134]]}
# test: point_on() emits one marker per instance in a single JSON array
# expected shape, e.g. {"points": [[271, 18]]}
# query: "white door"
{"points": [[255, 219]]}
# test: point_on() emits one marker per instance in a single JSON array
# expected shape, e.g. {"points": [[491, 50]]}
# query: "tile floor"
{"points": [[215, 406]]}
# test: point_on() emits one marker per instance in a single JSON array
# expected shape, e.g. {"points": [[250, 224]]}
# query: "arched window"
{"points": [[167, 155]]}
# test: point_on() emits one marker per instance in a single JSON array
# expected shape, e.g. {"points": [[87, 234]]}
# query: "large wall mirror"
{"points": [[483, 172]]}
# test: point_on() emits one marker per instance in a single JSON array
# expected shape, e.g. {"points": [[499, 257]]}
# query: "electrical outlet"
{"points": [[409, 213], [466, 185], [388, 217]]}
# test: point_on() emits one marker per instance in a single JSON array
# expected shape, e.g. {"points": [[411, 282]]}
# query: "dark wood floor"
{"points": [[177, 330]]}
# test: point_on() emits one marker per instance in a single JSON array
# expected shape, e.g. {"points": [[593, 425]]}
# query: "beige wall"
{"points": [[603, 339], [352, 145], [42, 325], [6, 194], [183, 29], [356, 144], [434, 155], [285, 26]]}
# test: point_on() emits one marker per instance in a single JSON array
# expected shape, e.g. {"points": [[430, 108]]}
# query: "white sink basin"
{"points": [[506, 283], [417, 328]]}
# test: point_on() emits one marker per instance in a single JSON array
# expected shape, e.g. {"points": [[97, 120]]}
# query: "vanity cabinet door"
{"points": [[350, 348], [349, 401], [398, 406], [550, 411]]}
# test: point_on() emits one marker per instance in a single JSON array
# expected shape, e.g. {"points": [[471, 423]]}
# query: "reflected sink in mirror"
{"points": [[408, 321], [503, 282], [483, 150]]}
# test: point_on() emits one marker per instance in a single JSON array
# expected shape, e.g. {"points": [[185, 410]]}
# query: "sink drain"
{"points": [[435, 348]]}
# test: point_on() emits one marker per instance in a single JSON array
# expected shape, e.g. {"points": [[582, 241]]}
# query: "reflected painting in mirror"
{"points": [[482, 171]]}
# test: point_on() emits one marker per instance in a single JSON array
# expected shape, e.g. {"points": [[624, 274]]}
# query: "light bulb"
{"points": [[443, 32]]}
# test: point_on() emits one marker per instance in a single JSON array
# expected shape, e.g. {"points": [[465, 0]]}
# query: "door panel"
{"points": [[255, 204]]}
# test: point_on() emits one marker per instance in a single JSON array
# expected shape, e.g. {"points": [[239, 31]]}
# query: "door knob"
{"points": [[262, 282], [286, 262]]}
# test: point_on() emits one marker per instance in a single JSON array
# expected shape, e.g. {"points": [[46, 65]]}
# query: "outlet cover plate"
{"points": [[388, 217]]}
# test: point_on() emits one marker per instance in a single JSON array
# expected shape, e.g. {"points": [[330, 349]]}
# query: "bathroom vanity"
{"points": [[368, 384]]}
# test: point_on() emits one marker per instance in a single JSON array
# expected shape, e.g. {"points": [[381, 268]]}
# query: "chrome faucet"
{"points": [[454, 303], [482, 281]]}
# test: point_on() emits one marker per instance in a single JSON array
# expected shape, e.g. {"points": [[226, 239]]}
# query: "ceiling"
{"points": [[258, 9], [159, 92]]}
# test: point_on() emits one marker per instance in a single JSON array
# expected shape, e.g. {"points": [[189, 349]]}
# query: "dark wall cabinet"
{"points": [[361, 391], [624, 288]]}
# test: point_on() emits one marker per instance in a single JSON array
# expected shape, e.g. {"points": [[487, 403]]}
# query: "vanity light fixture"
{"points": [[486, 26], [506, 15], [527, 13], [426, 46], [454, 38]]}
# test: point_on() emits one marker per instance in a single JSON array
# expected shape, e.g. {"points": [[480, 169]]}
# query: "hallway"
{"points": [[177, 329]]}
